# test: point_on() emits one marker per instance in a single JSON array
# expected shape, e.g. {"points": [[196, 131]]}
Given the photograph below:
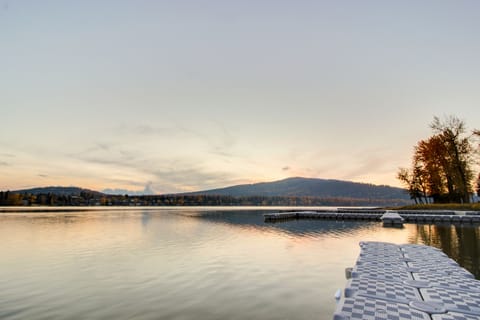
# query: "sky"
{"points": [[177, 96]]}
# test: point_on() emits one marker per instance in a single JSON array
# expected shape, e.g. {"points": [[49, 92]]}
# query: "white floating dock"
{"points": [[392, 219], [331, 215], [408, 282], [389, 218]]}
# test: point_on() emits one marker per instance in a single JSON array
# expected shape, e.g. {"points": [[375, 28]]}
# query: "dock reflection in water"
{"points": [[188, 263], [461, 243]]}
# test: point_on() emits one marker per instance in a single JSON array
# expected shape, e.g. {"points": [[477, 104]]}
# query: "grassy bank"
{"points": [[441, 206]]}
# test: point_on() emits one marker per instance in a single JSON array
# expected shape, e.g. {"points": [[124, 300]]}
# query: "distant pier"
{"points": [[408, 282], [392, 219], [388, 217]]}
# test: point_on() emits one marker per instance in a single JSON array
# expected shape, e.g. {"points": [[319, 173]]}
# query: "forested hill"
{"points": [[309, 187], [59, 191], [288, 192]]}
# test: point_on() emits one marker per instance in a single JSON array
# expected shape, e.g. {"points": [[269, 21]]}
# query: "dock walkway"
{"points": [[392, 218], [408, 282], [408, 216]]}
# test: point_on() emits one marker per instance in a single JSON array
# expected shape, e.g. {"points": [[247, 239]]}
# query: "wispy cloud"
{"points": [[147, 130], [148, 188], [3, 163], [106, 154], [222, 143], [128, 182], [103, 146], [146, 191], [166, 173], [175, 180], [190, 178], [370, 165], [7, 155]]}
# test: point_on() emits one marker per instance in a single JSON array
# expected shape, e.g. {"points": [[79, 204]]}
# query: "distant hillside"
{"points": [[309, 187], [59, 191], [288, 192]]}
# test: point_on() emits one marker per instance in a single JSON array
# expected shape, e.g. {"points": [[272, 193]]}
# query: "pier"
{"points": [[389, 218], [392, 219], [408, 282]]}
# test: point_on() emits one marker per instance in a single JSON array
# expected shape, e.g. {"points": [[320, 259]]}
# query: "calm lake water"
{"points": [[190, 263]]}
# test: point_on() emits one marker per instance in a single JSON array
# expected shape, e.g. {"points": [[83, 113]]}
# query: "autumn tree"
{"points": [[414, 180], [10, 198], [442, 164], [478, 185], [458, 153], [477, 134]]}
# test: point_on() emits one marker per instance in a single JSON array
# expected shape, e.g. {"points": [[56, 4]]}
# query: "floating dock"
{"points": [[388, 217], [408, 282], [392, 219], [333, 215]]}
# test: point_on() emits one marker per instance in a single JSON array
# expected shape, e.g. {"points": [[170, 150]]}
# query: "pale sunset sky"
{"points": [[172, 96]]}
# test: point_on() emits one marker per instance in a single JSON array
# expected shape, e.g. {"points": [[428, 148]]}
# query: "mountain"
{"points": [[291, 187], [310, 187], [59, 191]]}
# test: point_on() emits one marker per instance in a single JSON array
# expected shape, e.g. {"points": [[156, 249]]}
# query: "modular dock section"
{"points": [[388, 217], [408, 282], [391, 218]]}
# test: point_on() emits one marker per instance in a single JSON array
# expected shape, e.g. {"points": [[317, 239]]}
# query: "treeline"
{"points": [[442, 165], [94, 199], [84, 198]]}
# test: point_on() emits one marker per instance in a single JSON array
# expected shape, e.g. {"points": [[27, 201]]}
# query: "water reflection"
{"points": [[300, 227], [189, 263], [460, 242], [146, 217]]}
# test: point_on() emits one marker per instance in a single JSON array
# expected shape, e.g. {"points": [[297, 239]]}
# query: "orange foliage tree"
{"points": [[441, 165]]}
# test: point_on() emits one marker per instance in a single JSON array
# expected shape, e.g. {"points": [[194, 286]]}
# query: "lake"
{"points": [[190, 263]]}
